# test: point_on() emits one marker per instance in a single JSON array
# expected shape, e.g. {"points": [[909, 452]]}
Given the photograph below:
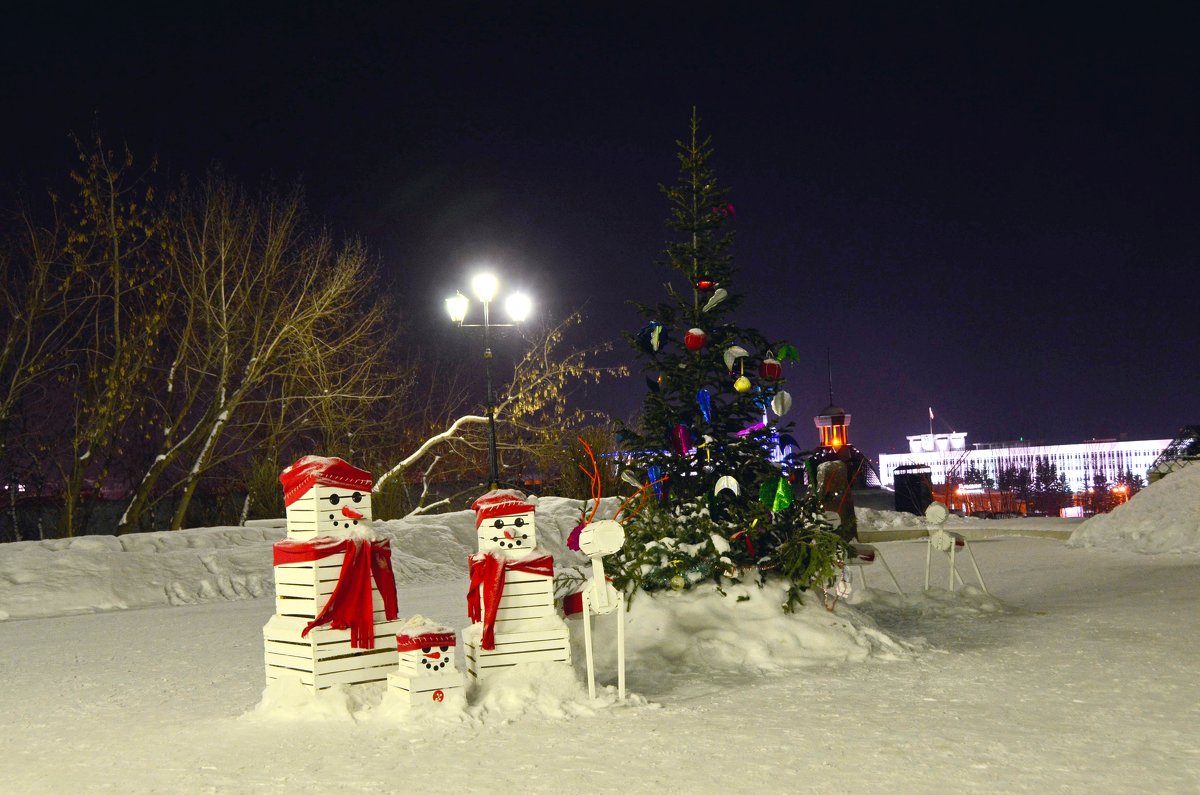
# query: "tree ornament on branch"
{"points": [[716, 298], [770, 369], [694, 339], [652, 336], [732, 354], [727, 482], [781, 403], [705, 285], [704, 401]]}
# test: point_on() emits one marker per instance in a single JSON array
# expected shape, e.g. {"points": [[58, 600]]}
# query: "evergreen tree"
{"points": [[720, 509]]}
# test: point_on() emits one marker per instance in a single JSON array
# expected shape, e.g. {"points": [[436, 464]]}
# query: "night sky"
{"points": [[992, 212]]}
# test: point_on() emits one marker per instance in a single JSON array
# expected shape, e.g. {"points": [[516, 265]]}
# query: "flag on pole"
{"points": [[930, 412]]}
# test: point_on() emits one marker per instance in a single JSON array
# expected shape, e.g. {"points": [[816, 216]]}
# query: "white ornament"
{"points": [[727, 482], [732, 354], [717, 297], [781, 403]]}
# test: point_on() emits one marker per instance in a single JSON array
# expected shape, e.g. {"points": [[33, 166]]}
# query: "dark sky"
{"points": [[992, 212]]}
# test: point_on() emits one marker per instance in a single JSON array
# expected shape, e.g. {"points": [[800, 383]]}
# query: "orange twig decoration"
{"points": [[594, 477]]}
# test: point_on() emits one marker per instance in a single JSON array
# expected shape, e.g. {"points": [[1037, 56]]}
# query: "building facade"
{"points": [[948, 454]]}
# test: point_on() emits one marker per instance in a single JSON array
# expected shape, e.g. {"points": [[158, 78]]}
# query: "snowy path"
{"points": [[1090, 685]]}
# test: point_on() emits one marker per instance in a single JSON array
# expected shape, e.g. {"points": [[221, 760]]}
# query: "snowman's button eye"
{"points": [[356, 497], [445, 648], [426, 649], [519, 522], [333, 499], [498, 524]]}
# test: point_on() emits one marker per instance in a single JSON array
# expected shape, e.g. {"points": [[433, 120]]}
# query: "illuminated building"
{"points": [[948, 454]]}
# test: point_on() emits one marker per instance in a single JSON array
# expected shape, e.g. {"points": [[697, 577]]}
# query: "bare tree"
{"points": [[276, 321], [533, 405]]}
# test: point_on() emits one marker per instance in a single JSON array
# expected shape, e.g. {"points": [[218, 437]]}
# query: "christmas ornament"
{"points": [[694, 339], [681, 440], [727, 482], [732, 354], [781, 403], [631, 479], [652, 336], [654, 473], [776, 493], [704, 445], [742, 384], [788, 353], [770, 369], [704, 400], [678, 583], [717, 297], [705, 284]]}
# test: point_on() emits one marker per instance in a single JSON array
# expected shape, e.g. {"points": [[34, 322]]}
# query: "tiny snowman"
{"points": [[427, 674]]}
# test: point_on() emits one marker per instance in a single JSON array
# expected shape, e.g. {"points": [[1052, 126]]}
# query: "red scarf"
{"points": [[487, 573], [350, 605]]}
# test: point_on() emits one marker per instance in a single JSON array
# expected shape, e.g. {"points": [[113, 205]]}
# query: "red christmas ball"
{"points": [[770, 370], [695, 339], [705, 284]]}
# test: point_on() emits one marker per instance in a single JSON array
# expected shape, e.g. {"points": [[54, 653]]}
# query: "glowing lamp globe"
{"points": [[518, 306], [694, 339], [456, 305], [484, 286], [770, 370]]}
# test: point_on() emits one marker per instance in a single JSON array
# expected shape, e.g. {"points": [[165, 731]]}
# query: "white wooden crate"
{"points": [[446, 689], [512, 648], [325, 657]]}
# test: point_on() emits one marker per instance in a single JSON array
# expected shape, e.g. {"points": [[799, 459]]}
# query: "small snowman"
{"points": [[427, 674]]}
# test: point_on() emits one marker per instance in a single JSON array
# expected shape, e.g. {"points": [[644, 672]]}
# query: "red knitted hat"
{"points": [[312, 470], [425, 639], [501, 502]]}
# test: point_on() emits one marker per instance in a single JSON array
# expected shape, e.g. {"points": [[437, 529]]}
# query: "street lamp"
{"points": [[518, 305]]}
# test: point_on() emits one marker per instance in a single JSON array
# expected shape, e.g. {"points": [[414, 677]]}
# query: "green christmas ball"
{"points": [[678, 583]]}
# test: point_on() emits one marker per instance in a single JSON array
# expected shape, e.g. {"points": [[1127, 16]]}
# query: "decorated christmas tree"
{"points": [[725, 501]]}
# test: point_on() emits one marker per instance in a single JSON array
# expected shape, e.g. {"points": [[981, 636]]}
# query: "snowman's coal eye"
{"points": [[445, 648], [498, 524], [333, 499], [426, 649], [356, 497], [519, 523]]}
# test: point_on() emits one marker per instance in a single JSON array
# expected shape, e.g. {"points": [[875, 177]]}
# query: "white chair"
{"points": [[947, 543]]}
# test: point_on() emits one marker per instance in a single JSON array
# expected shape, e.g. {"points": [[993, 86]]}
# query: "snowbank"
{"points": [[1164, 517]]}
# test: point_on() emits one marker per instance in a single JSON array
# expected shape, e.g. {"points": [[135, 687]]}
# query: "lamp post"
{"points": [[485, 286]]}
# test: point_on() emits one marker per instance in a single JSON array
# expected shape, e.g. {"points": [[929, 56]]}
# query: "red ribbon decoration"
{"points": [[350, 605], [487, 578]]}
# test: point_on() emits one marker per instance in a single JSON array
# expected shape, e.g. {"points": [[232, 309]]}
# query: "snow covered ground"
{"points": [[135, 665]]}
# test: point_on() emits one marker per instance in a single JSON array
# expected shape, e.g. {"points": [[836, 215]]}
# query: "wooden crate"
{"points": [[445, 688], [513, 648], [325, 657]]}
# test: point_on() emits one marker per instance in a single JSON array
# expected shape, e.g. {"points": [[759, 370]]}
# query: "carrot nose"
{"points": [[350, 513], [434, 655], [507, 534]]}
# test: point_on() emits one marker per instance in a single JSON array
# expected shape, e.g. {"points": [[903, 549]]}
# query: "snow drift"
{"points": [[1163, 517]]}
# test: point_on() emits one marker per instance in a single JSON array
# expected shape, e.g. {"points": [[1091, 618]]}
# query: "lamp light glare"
{"points": [[456, 305], [518, 306], [485, 285]]}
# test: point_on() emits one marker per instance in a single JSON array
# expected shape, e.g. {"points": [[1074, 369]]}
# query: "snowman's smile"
{"points": [[435, 659]]}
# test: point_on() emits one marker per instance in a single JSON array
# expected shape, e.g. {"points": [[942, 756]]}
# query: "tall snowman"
{"points": [[335, 593], [511, 597]]}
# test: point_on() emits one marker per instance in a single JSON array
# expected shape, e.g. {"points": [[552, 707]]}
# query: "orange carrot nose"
{"points": [[436, 655], [350, 513]]}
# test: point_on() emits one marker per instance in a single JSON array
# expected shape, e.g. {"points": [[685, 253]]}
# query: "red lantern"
{"points": [[770, 370], [695, 339]]}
